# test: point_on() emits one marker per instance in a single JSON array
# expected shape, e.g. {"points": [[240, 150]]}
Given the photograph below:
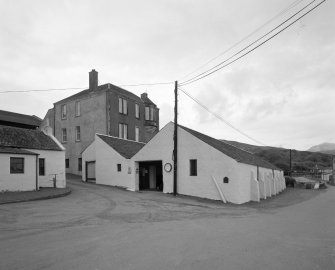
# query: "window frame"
{"points": [[123, 131], [63, 111], [77, 109], [193, 167], [77, 132], [64, 134], [12, 163], [39, 167], [149, 113], [137, 134], [118, 167], [137, 111], [123, 106]]}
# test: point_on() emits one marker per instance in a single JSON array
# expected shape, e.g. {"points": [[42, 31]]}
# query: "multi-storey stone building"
{"points": [[105, 109]]}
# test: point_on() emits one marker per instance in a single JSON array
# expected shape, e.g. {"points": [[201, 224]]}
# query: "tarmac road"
{"points": [[98, 227]]}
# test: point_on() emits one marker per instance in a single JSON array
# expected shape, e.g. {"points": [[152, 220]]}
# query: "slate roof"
{"points": [[238, 154], [103, 88], [26, 138], [25, 119], [125, 148], [8, 150]]}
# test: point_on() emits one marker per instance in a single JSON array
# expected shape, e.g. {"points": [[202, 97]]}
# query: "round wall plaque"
{"points": [[168, 167]]}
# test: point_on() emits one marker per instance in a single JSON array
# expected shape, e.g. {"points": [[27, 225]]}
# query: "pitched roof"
{"points": [[238, 154], [26, 138], [125, 148], [25, 119], [146, 100], [102, 88]]}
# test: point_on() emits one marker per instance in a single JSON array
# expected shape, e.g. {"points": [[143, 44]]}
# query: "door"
{"points": [[90, 170]]}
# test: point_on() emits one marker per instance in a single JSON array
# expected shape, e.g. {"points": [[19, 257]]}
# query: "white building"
{"points": [[207, 167], [30, 159]]}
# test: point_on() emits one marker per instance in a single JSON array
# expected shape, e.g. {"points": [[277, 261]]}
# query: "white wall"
{"points": [[54, 164], [89, 154], [17, 182], [210, 162], [106, 167]]}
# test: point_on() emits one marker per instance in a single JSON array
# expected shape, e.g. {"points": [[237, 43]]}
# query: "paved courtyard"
{"points": [[98, 227]]}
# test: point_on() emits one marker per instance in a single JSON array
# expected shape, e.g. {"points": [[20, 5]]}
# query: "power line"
{"points": [[219, 117], [146, 84], [41, 90], [80, 88], [292, 5], [219, 67]]}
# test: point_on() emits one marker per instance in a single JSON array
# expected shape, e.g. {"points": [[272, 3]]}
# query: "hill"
{"points": [[323, 148], [301, 160]]}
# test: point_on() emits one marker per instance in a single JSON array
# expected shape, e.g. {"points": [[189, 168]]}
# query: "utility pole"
{"points": [[175, 139]]}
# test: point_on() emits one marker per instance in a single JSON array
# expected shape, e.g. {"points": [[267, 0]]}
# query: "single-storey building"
{"points": [[30, 159], [207, 167], [107, 161]]}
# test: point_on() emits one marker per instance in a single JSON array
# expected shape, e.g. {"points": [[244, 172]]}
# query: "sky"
{"points": [[281, 94]]}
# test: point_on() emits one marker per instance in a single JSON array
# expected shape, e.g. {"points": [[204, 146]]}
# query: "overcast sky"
{"points": [[281, 94]]}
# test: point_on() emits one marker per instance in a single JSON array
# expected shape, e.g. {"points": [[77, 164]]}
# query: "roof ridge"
{"points": [[110, 136]]}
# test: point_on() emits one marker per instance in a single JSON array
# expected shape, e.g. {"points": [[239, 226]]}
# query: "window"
{"points": [[137, 134], [193, 167], [16, 165], [64, 135], [137, 110], [41, 166], [149, 113], [118, 167], [123, 108], [63, 111], [77, 133], [80, 164], [77, 108], [123, 131], [67, 163]]}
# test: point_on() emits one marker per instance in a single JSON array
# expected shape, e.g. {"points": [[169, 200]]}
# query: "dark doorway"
{"points": [[151, 175]]}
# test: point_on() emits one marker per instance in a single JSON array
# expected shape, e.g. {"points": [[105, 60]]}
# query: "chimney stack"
{"points": [[144, 96], [93, 80]]}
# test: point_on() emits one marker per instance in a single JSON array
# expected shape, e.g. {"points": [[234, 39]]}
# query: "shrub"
{"points": [[290, 181]]}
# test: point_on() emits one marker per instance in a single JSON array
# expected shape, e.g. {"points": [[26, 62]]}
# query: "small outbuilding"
{"points": [[30, 159], [207, 167], [107, 161]]}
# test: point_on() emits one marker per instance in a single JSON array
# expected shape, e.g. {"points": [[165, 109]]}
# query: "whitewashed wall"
{"points": [[88, 154], [17, 182], [106, 167], [54, 164]]}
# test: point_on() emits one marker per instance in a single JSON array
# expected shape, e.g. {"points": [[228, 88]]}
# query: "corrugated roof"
{"points": [[125, 148], [10, 150], [103, 88], [12, 117], [236, 153], [26, 138]]}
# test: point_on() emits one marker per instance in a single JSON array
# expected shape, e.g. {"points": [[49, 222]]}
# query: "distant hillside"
{"points": [[301, 160], [323, 148]]}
